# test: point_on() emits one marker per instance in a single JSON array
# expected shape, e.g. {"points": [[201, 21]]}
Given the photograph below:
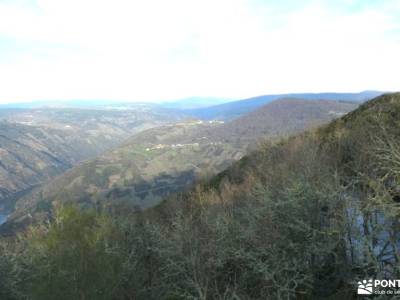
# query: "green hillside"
{"points": [[38, 144], [306, 217], [139, 173], [167, 159]]}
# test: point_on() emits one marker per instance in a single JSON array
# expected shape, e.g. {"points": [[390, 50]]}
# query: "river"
{"points": [[3, 218]]}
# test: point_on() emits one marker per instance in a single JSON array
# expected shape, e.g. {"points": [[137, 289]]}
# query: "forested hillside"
{"points": [[305, 217], [280, 118], [159, 161], [38, 144]]}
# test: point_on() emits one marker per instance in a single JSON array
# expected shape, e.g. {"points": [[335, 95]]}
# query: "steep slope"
{"points": [[235, 109], [157, 162], [279, 118], [349, 139], [142, 171], [307, 217], [36, 145], [29, 155]]}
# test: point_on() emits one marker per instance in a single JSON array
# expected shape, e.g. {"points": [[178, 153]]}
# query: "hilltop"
{"points": [[279, 118]]}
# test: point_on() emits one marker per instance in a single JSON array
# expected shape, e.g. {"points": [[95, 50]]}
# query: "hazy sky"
{"points": [[163, 49]]}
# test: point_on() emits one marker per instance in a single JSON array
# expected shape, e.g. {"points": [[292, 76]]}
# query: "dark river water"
{"points": [[3, 218]]}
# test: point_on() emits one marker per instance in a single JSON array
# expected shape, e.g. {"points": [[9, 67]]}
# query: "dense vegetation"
{"points": [[281, 118], [167, 159], [38, 144], [303, 218]]}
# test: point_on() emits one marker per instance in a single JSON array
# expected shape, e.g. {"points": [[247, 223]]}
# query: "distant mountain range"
{"points": [[153, 149], [235, 109], [185, 103], [195, 102], [156, 162], [200, 107]]}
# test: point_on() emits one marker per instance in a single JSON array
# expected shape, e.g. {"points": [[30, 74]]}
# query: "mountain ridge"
{"points": [[154, 163], [234, 109]]}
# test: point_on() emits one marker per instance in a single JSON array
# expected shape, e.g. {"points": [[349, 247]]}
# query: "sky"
{"points": [[153, 50]]}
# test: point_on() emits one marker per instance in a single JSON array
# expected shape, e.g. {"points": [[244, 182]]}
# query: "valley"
{"points": [[37, 145], [181, 205], [154, 163], [199, 150], [3, 218]]}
